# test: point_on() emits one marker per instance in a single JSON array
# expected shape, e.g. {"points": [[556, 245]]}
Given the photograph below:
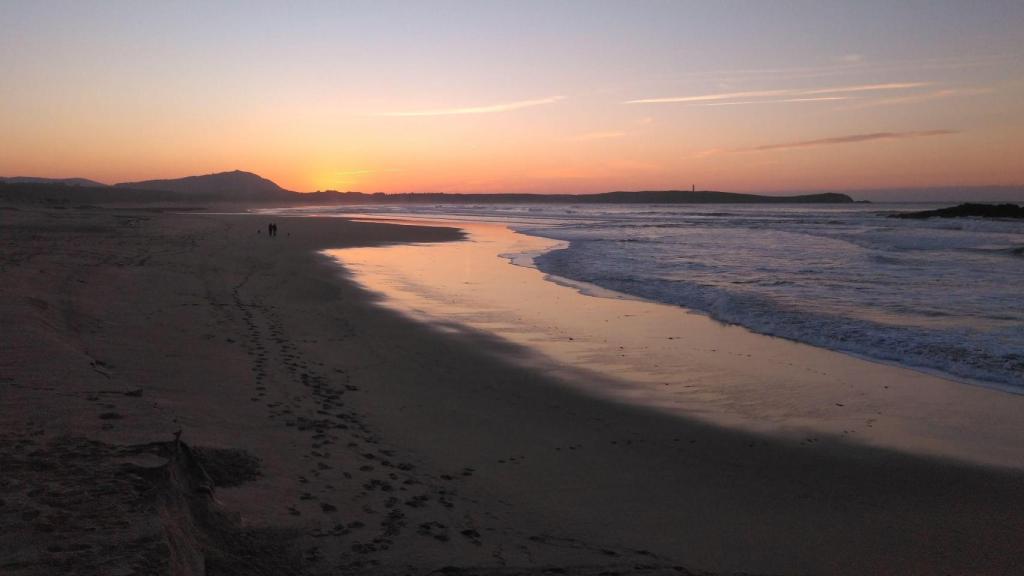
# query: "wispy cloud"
{"points": [[353, 172], [362, 171], [710, 97], [783, 101], [793, 94], [850, 65], [708, 153], [849, 139], [626, 165], [922, 97], [590, 136], [488, 109], [866, 88]]}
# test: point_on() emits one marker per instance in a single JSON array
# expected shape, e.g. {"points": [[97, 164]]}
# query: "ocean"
{"points": [[941, 295]]}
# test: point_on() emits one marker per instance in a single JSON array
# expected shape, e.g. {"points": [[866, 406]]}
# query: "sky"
{"points": [[549, 96]]}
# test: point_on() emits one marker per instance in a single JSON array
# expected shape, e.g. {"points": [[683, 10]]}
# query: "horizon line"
{"points": [[769, 192]]}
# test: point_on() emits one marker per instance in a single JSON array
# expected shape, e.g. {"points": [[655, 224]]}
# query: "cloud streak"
{"points": [[850, 65], [353, 172], [783, 101], [711, 97], [867, 88], [591, 136], [488, 109], [792, 95], [923, 97], [850, 139]]}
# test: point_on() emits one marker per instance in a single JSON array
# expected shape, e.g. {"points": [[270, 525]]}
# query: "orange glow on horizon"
{"points": [[497, 100]]}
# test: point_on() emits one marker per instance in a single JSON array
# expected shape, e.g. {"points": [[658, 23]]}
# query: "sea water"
{"points": [[942, 295]]}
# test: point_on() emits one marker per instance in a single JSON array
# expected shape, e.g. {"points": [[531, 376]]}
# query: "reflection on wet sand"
{"points": [[674, 360]]}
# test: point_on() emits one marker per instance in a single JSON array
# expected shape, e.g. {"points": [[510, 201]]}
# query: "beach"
{"points": [[183, 394]]}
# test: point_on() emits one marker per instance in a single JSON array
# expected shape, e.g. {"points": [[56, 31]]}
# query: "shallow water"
{"points": [[941, 295], [670, 359]]}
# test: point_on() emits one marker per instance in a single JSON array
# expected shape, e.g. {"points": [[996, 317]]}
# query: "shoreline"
{"points": [[681, 361], [387, 447], [593, 290], [963, 345]]}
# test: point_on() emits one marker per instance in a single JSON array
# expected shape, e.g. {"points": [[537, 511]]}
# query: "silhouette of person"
{"points": [[270, 229]]}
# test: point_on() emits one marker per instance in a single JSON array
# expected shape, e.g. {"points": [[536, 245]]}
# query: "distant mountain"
{"points": [[236, 185], [66, 181], [642, 197], [246, 187]]}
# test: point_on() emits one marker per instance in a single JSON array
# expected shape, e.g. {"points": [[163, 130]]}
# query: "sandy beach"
{"points": [[678, 361], [183, 395]]}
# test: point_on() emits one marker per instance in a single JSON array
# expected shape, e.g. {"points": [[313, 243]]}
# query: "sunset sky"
{"points": [[517, 96]]}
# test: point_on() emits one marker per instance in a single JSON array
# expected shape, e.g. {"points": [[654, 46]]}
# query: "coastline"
{"points": [[680, 361], [868, 289], [387, 447]]}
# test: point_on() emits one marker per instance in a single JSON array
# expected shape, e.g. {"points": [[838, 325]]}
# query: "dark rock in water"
{"points": [[964, 210]]}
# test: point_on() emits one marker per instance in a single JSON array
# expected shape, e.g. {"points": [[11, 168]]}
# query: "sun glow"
{"points": [[505, 103]]}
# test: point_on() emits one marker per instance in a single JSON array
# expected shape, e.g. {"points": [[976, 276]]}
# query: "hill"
{"points": [[235, 185], [246, 187], [65, 181], [65, 196]]}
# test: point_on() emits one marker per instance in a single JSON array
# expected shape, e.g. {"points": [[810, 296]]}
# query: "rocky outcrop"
{"points": [[966, 210]]}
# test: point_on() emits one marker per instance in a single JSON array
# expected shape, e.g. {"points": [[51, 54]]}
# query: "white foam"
{"points": [[939, 295]]}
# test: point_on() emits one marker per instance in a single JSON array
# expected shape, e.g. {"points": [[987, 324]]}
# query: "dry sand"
{"points": [[322, 434]]}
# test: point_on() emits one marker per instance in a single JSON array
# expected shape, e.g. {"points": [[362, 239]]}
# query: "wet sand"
{"points": [[678, 361], [323, 434]]}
